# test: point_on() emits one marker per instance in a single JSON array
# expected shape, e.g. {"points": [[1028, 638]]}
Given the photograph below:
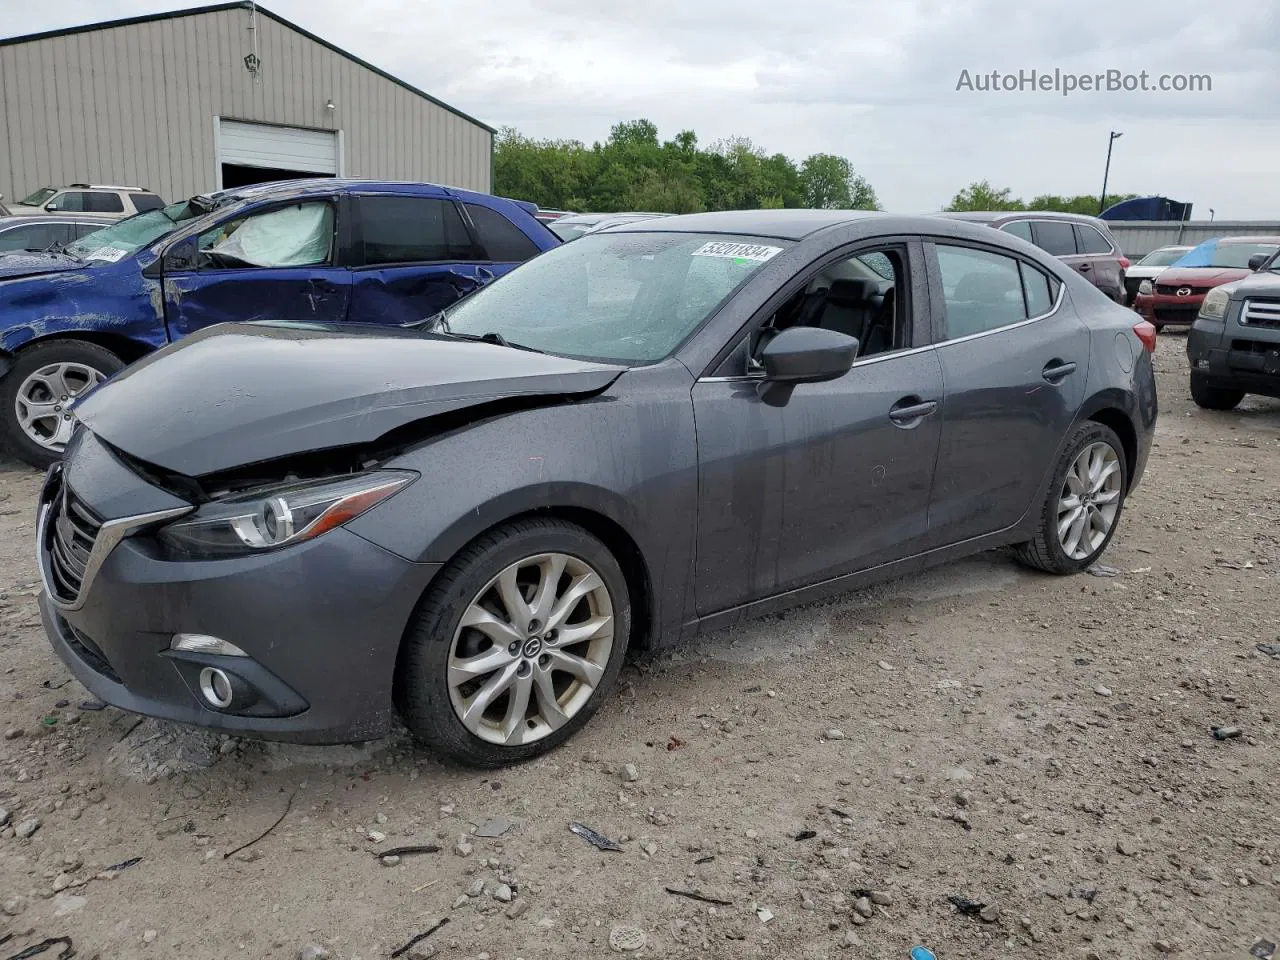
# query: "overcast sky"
{"points": [[873, 81]]}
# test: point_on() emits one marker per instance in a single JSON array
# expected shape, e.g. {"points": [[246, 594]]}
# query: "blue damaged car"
{"points": [[306, 250]]}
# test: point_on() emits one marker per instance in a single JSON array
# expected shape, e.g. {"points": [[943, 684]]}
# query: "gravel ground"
{"points": [[1039, 746]]}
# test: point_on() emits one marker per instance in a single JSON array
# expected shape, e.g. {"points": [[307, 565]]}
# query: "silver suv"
{"points": [[78, 198]]}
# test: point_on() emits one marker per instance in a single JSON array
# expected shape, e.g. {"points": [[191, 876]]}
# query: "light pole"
{"points": [[1102, 200]]}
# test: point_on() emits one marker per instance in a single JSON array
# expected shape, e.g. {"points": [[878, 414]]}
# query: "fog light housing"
{"points": [[215, 687], [203, 643]]}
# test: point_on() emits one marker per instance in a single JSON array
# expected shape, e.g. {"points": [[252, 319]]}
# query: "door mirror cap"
{"points": [[1257, 260], [51, 206], [808, 355]]}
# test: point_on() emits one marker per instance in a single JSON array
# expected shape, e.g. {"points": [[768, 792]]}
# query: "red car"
{"points": [[1174, 296]]}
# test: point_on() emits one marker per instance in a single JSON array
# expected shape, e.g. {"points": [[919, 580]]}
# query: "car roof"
{"points": [[61, 218], [1258, 239], [784, 224], [990, 216], [320, 186]]}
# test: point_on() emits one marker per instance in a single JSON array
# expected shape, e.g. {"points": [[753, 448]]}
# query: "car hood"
{"points": [[239, 394], [1201, 276], [14, 266], [1265, 283]]}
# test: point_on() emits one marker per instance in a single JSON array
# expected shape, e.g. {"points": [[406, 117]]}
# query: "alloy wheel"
{"points": [[531, 649], [1090, 500], [43, 401]]}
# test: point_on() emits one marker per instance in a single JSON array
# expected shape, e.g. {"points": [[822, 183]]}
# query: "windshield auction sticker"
{"points": [[109, 254], [737, 251]]}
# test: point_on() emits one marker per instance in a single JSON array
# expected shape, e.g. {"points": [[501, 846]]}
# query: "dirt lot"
{"points": [[1042, 746]]}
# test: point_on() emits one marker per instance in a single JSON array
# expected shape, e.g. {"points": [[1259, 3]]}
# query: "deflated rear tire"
{"points": [[1082, 509], [36, 392], [516, 643]]}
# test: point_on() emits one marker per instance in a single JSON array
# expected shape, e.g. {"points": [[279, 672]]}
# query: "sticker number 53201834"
{"points": [[734, 250]]}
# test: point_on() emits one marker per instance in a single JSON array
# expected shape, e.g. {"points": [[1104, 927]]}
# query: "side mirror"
{"points": [[51, 206], [1257, 260], [808, 355]]}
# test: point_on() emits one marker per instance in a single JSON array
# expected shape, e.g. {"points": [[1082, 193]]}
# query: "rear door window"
{"points": [[1056, 237], [1090, 240], [982, 290], [103, 203], [502, 240], [413, 230], [1019, 228]]}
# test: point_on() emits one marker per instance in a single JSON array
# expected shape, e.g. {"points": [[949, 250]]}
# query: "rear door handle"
{"points": [[909, 411], [1084, 268], [1055, 371]]}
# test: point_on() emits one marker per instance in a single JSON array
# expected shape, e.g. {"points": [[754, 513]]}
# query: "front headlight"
{"points": [[281, 515], [1145, 288], [1214, 305]]}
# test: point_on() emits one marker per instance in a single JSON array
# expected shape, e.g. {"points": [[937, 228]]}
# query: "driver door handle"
{"points": [[1055, 371], [909, 411]]}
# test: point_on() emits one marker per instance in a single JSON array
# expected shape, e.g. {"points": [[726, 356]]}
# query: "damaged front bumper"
{"points": [[319, 624]]}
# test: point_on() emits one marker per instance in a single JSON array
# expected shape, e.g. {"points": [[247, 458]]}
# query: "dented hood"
{"points": [[238, 394], [27, 264]]}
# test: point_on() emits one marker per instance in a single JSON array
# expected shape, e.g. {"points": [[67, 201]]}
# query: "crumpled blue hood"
{"points": [[15, 265]]}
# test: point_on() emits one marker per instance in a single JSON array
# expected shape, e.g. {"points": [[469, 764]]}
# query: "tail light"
{"points": [[1124, 263], [1146, 332]]}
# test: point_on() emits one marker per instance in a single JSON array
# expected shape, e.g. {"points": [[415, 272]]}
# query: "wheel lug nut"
{"points": [[524, 669], [533, 627]]}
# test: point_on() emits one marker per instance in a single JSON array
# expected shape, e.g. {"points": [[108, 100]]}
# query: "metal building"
{"points": [[218, 96]]}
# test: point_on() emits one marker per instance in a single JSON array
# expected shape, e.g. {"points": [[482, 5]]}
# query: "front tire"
{"points": [[1213, 398], [516, 643], [37, 390], [1084, 503]]}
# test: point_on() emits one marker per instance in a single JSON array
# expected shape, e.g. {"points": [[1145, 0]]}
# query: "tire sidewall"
{"points": [[12, 437], [1085, 435], [422, 685]]}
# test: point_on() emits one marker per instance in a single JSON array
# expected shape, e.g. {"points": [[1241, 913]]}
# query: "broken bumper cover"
{"points": [[320, 625]]}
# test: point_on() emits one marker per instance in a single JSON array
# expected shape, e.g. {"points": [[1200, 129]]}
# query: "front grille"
{"points": [[1261, 313], [1175, 314], [89, 652], [1172, 291], [70, 532]]}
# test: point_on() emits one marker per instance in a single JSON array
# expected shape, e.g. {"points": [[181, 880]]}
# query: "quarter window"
{"points": [[413, 230], [1090, 240], [502, 240], [985, 291], [1055, 237], [1038, 289]]}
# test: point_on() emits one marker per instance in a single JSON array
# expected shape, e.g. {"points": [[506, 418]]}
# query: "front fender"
{"points": [[115, 301], [630, 458]]}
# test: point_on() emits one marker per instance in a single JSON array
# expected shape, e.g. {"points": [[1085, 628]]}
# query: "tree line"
{"points": [[983, 196], [634, 170]]}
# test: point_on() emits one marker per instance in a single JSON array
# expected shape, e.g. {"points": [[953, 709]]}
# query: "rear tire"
{"points": [[28, 388], [488, 687], [1068, 541], [1213, 398]]}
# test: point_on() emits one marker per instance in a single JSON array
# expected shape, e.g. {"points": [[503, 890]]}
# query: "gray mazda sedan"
{"points": [[300, 531]]}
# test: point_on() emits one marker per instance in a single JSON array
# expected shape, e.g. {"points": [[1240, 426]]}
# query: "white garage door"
{"points": [[277, 148]]}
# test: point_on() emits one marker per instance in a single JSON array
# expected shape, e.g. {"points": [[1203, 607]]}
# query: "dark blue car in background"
{"points": [[314, 250]]}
